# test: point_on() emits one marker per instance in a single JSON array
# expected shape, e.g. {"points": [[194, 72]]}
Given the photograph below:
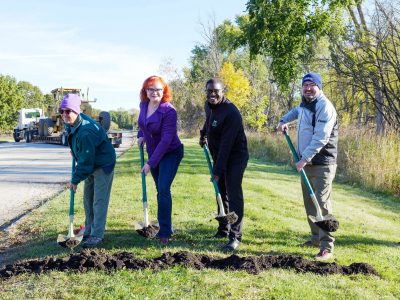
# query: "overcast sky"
{"points": [[108, 46]]}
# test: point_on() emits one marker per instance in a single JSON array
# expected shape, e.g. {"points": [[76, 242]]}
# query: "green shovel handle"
{"points": [[143, 175], [296, 157], [210, 168], [71, 191]]}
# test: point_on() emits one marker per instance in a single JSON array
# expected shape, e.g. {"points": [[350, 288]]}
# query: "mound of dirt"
{"points": [[99, 260]]}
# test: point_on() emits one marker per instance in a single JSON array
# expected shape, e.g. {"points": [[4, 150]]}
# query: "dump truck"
{"points": [[35, 126]]}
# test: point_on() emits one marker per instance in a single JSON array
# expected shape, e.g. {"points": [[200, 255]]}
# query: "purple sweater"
{"points": [[159, 131]]}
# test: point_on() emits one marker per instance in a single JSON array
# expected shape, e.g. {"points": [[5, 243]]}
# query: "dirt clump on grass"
{"points": [[98, 260]]}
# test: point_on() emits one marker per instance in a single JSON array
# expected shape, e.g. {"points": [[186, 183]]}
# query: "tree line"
{"points": [[15, 95], [262, 55]]}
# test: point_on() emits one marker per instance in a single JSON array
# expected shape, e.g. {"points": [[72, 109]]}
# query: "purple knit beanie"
{"points": [[314, 77], [72, 102]]}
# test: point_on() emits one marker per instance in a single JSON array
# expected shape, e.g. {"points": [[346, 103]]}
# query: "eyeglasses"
{"points": [[67, 111], [209, 91], [309, 85], [150, 90]]}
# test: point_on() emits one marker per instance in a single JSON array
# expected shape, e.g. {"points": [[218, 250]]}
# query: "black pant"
{"points": [[230, 188]]}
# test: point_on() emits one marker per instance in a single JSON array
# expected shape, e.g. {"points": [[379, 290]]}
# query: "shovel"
{"points": [[145, 229], [229, 218], [71, 240], [327, 222]]}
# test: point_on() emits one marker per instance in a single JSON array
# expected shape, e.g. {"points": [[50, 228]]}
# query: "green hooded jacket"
{"points": [[91, 148]]}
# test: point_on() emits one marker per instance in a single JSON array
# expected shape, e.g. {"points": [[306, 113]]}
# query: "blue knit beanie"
{"points": [[72, 102], [314, 77]]}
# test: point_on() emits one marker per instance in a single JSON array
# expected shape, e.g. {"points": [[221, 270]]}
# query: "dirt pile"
{"points": [[98, 260]]}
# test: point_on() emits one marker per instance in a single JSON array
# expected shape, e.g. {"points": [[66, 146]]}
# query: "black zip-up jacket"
{"points": [[225, 135]]}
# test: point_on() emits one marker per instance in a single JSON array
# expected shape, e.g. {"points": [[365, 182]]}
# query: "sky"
{"points": [[109, 47]]}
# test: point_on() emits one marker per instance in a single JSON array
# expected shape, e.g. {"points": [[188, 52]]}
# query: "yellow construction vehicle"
{"points": [[50, 128]]}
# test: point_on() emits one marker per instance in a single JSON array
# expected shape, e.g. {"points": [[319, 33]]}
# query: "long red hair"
{"points": [[151, 81]]}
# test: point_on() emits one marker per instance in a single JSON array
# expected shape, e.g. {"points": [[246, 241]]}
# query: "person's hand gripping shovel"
{"points": [[144, 228], [327, 222], [71, 240], [229, 218]]}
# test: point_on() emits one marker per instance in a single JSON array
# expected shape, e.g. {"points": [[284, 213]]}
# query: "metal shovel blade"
{"points": [[229, 218], [149, 231], [328, 222], [70, 242]]}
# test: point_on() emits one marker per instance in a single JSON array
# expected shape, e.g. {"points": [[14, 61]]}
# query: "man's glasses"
{"points": [[209, 91], [67, 111], [309, 85], [150, 90]]}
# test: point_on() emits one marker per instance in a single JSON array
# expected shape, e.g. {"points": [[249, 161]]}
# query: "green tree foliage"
{"points": [[11, 100], [122, 118], [33, 96], [285, 30]]}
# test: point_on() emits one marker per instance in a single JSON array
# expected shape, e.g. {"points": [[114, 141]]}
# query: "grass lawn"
{"points": [[275, 223]]}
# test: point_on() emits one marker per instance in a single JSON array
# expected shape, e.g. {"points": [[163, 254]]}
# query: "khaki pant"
{"points": [[320, 178]]}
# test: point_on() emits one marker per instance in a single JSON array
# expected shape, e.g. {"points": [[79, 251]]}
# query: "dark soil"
{"points": [[69, 243], [98, 260], [149, 231], [330, 225], [230, 218]]}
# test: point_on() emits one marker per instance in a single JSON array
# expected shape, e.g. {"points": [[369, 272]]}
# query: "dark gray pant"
{"points": [[230, 188], [320, 178]]}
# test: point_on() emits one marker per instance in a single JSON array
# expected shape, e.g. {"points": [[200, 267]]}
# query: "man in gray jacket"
{"points": [[317, 138]]}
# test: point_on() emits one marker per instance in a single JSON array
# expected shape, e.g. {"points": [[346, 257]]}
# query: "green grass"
{"points": [[275, 223]]}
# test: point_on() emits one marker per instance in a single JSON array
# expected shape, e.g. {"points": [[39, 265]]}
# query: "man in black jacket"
{"points": [[224, 133]]}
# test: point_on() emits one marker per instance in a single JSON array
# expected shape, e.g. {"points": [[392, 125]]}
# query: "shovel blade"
{"points": [[328, 223], [70, 242], [229, 218], [147, 231]]}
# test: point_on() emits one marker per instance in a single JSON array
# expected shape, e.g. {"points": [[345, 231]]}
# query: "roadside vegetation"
{"points": [[364, 158], [275, 223]]}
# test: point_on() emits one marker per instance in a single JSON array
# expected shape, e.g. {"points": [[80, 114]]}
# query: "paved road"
{"points": [[31, 173]]}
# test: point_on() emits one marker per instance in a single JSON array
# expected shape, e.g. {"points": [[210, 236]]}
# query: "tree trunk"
{"points": [[379, 119]]}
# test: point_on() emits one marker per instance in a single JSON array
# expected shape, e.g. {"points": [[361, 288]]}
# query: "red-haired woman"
{"points": [[158, 130]]}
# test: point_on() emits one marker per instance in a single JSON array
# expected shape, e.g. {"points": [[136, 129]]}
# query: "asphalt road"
{"points": [[31, 173]]}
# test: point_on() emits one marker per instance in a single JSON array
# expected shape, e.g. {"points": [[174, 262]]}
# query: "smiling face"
{"points": [[214, 91], [310, 90], [69, 116], [155, 92]]}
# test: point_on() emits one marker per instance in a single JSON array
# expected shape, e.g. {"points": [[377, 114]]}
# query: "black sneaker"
{"points": [[232, 245], [220, 235]]}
